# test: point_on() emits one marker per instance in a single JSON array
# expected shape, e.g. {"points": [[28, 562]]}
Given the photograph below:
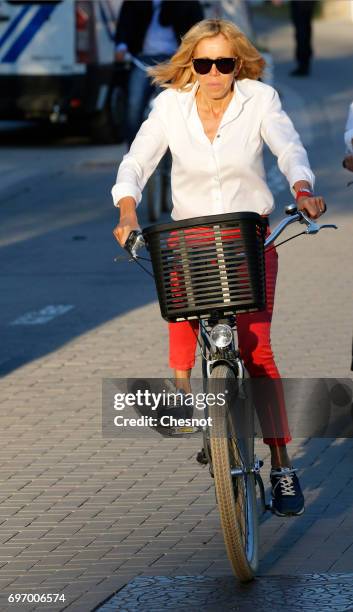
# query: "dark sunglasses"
{"points": [[225, 65]]}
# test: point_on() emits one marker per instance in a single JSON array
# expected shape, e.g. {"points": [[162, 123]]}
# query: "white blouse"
{"points": [[226, 175]]}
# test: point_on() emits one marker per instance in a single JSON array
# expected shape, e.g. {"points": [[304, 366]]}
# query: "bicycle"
{"points": [[191, 285]]}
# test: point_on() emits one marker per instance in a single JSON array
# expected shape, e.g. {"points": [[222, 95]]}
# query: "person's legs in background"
{"points": [[301, 14], [139, 92]]}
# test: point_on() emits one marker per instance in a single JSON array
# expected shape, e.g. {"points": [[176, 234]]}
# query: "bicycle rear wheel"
{"points": [[236, 495]]}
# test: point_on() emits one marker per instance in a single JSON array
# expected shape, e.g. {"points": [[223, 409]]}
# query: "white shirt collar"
{"points": [[189, 108]]}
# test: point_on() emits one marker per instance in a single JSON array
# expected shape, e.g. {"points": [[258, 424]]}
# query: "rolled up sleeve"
{"points": [[146, 151], [278, 132]]}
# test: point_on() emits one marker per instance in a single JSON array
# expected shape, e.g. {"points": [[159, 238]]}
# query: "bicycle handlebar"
{"points": [[135, 240], [131, 59], [294, 216]]}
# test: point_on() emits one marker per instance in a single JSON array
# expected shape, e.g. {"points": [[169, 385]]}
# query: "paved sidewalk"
{"points": [[309, 592], [82, 515]]}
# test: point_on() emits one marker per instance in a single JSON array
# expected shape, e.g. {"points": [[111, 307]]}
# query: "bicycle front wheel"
{"points": [[236, 494]]}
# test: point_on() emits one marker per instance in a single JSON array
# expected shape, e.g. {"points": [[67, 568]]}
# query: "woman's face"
{"points": [[214, 85]]}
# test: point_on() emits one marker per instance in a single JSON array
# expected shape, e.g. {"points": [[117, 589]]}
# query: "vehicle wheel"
{"points": [[154, 195], [236, 495], [106, 127]]}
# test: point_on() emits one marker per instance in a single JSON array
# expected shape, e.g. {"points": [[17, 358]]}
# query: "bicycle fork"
{"points": [[229, 355]]}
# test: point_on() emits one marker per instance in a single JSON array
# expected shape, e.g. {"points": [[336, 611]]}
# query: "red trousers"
{"points": [[255, 349]]}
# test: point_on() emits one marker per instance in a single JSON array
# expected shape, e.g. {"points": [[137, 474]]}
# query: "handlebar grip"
{"points": [[134, 242]]}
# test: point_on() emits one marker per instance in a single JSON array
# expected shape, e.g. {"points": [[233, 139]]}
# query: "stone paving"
{"points": [[83, 515], [308, 592]]}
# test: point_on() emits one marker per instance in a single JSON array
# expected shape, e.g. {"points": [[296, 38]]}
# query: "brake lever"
{"points": [[326, 225], [312, 227]]}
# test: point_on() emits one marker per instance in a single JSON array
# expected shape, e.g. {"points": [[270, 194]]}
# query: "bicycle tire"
{"points": [[237, 508]]}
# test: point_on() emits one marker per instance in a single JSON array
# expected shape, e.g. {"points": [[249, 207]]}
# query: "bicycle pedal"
{"points": [[186, 430], [181, 431]]}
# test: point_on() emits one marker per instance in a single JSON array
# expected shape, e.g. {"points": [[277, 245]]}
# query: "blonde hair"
{"points": [[177, 73]]}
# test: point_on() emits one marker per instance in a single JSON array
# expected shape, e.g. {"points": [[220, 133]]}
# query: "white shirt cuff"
{"points": [[300, 173], [123, 190]]}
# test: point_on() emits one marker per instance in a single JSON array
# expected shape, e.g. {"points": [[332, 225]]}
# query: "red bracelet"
{"points": [[303, 193]]}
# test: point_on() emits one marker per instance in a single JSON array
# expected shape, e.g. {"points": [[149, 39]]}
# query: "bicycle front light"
{"points": [[221, 335]]}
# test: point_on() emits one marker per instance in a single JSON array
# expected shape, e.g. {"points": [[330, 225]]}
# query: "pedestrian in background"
{"points": [[301, 13], [237, 11], [152, 31]]}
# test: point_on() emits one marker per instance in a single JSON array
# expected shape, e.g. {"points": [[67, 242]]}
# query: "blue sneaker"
{"points": [[287, 496]]}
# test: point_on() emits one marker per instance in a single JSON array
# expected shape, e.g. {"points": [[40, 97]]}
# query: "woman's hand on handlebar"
{"points": [[313, 206], [128, 220], [126, 225]]}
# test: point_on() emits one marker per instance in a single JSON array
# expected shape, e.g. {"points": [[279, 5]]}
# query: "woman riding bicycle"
{"points": [[215, 115]]}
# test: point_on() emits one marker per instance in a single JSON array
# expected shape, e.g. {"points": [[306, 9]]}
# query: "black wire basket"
{"points": [[209, 265]]}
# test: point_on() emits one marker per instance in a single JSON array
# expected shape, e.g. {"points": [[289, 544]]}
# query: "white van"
{"points": [[56, 63]]}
